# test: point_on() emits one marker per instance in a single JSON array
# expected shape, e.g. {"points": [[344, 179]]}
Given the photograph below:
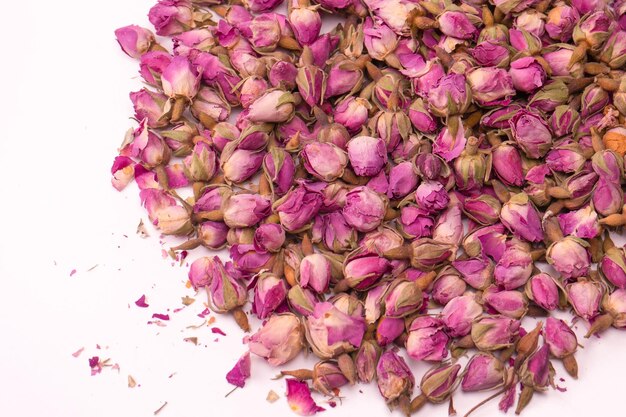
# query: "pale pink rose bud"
{"points": [[269, 293], [614, 51], [265, 32], [415, 222], [333, 230], [367, 155], [439, 382], [566, 158], [322, 47], [324, 161], [364, 209], [458, 315], [402, 180], [201, 165], [498, 118], [615, 305], [279, 340], [448, 145], [476, 272], [594, 99], [388, 329], [553, 94], [447, 286], [362, 272], [180, 79], [507, 164], [200, 39], [585, 297], [352, 112], [279, 168], [378, 38], [201, 272], [508, 303], [283, 75], [560, 338], [311, 82], [537, 372], [449, 226], [558, 60], [247, 259], [391, 90], [490, 86], [269, 237], [260, 6], [275, 106], [484, 209], [315, 272], [531, 21], [483, 372], [374, 302], [297, 208], [306, 23], [149, 148], [608, 165], [427, 340], [542, 289], [531, 133], [421, 118], [564, 121], [213, 234], [327, 377], [302, 300], [331, 332], [457, 25], [431, 196], [586, 6], [171, 17], [451, 95], [225, 291], [427, 77], [613, 267], [524, 41], [521, 217], [395, 379], [527, 74], [365, 360], [402, 298], [608, 197], [245, 210], [570, 257], [333, 133], [494, 332], [561, 22], [381, 240], [223, 133], [490, 54], [251, 89], [514, 268], [149, 105], [134, 40], [209, 102], [391, 126]]}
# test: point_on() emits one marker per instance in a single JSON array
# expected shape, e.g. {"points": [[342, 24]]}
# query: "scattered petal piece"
{"points": [[95, 365], [299, 398], [272, 397], [131, 382], [141, 302], [164, 317], [187, 301], [78, 352], [193, 340], [141, 230], [72, 272], [240, 372], [218, 331]]}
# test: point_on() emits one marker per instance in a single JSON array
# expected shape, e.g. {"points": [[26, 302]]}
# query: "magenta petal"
{"points": [[161, 316], [141, 302], [299, 398], [240, 372]]}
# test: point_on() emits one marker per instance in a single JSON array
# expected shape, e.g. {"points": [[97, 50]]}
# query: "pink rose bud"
{"points": [[247, 259], [180, 79], [483, 372], [537, 372], [515, 6], [279, 340], [402, 180], [470, 167], [297, 208], [149, 148], [171, 17], [608, 197], [302, 300], [449, 226], [311, 82], [365, 360], [306, 23], [585, 297], [570, 257], [378, 38], [514, 268], [269, 294], [490, 86], [213, 234], [352, 112], [245, 210], [283, 75], [566, 158], [448, 145], [395, 379], [134, 40], [403, 298], [484, 209], [331, 332], [521, 217], [558, 59], [608, 165], [279, 169], [265, 32], [560, 338], [260, 6], [488, 240], [200, 39], [524, 41], [315, 272], [543, 290], [614, 51], [527, 74], [223, 133], [275, 106], [211, 104], [324, 161], [531, 133], [561, 22], [507, 164], [421, 118], [333, 230], [429, 166], [564, 121], [391, 126], [415, 222], [494, 332], [431, 196], [334, 133], [388, 329], [553, 94], [149, 105], [367, 155], [327, 377], [269, 237], [363, 272], [531, 21], [458, 314], [476, 272], [225, 291], [490, 54], [508, 303], [615, 305], [201, 165], [586, 6], [498, 118], [451, 95], [613, 267], [364, 209], [439, 382], [427, 341], [594, 99], [201, 272], [251, 89], [457, 24]]}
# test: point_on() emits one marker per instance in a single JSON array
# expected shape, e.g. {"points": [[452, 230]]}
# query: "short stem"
{"points": [[180, 104]]}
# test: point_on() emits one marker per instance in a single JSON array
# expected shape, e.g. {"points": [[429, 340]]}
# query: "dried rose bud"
{"points": [[477, 272], [297, 208], [614, 51], [365, 360], [415, 222], [247, 259], [613, 266], [424, 254], [201, 272], [275, 106], [315, 272], [508, 303], [388, 329], [543, 290], [311, 82], [352, 112], [499, 117], [527, 74], [451, 95], [134, 40], [447, 286], [514, 268], [364, 209], [269, 294], [331, 332], [269, 237], [394, 377], [457, 24], [532, 21], [240, 165], [431, 196], [279, 340], [213, 235], [306, 23], [429, 166], [301, 300], [427, 340], [553, 94], [490, 54], [564, 121], [585, 297], [402, 180], [171, 17], [608, 197], [362, 272], [201, 165], [327, 376], [521, 217], [615, 305], [378, 38], [245, 210], [449, 144], [225, 291], [252, 89], [458, 315], [494, 332], [491, 86], [439, 382], [367, 155], [560, 338], [594, 99], [470, 167], [324, 161], [403, 298], [536, 372], [561, 22], [260, 6], [531, 133], [483, 209], [449, 226], [149, 105], [608, 165], [279, 169], [421, 118], [507, 164], [483, 372], [566, 158], [334, 133], [333, 230], [570, 257], [283, 75]]}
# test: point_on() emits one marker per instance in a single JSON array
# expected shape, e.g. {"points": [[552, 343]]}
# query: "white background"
{"points": [[64, 111]]}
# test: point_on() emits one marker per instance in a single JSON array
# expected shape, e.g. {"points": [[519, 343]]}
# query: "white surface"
{"points": [[64, 110]]}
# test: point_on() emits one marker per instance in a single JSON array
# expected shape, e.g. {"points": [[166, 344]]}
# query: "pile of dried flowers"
{"points": [[391, 183]]}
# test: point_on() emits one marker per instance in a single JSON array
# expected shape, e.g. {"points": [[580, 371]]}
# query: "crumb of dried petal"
{"points": [[218, 331], [187, 301], [78, 352], [72, 272], [193, 340], [141, 302], [141, 230], [159, 316], [131, 382], [272, 397]]}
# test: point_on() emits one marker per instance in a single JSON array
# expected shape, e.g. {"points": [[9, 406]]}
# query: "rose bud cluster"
{"points": [[409, 184]]}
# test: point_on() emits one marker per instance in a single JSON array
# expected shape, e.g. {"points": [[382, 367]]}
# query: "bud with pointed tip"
{"points": [[439, 382], [570, 257], [483, 372], [279, 340], [394, 377], [269, 294], [427, 340], [521, 217], [458, 315], [365, 360], [543, 290], [226, 293], [508, 303], [494, 332], [585, 297]]}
